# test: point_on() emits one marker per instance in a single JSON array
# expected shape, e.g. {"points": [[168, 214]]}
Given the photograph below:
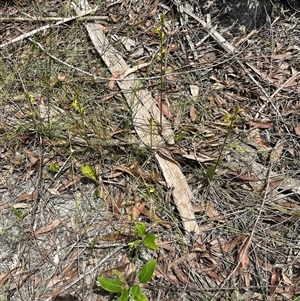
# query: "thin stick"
{"points": [[50, 19], [33, 32], [92, 270]]}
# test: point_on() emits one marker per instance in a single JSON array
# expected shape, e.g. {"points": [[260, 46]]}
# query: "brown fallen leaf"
{"points": [[257, 138], [33, 160], [274, 280], [47, 228], [193, 113], [112, 81], [297, 130], [228, 246], [28, 196], [260, 124], [164, 109], [277, 152], [243, 260], [61, 77]]}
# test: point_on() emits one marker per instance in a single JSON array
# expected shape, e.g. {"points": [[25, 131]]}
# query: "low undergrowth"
{"points": [[84, 203]]}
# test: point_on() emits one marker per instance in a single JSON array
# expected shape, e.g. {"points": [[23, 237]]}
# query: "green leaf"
{"points": [[140, 228], [110, 285], [120, 275], [143, 297], [149, 242], [179, 136], [124, 296], [89, 172], [17, 212], [136, 293], [54, 167], [210, 172], [147, 271]]}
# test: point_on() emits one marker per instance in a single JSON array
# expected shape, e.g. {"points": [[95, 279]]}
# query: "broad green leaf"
{"points": [[210, 172], [147, 271], [54, 167], [89, 172], [110, 285], [124, 296], [143, 297], [140, 228], [17, 212], [149, 242], [135, 292]]}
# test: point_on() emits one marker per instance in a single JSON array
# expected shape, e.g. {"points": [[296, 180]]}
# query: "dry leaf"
{"points": [[164, 109], [297, 130], [277, 151], [19, 115], [137, 209], [274, 280], [28, 196], [47, 228], [135, 68], [32, 158], [257, 138], [193, 113], [286, 279], [260, 124], [243, 260], [194, 90], [62, 76], [21, 206], [294, 71], [112, 81], [211, 212], [226, 248]]}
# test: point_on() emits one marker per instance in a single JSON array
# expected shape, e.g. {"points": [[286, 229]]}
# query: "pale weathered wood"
{"points": [[144, 110]]}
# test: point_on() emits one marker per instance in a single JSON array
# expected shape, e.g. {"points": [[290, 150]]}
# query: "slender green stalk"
{"points": [[211, 170], [162, 53]]}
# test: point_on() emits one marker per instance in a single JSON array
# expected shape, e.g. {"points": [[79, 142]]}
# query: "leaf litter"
{"points": [[198, 104]]}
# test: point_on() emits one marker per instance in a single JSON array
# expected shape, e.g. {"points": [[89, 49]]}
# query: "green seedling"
{"points": [[54, 167], [89, 172], [17, 212], [143, 238], [125, 291]]}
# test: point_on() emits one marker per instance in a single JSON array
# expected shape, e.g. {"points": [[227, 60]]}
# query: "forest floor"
{"points": [[83, 195]]}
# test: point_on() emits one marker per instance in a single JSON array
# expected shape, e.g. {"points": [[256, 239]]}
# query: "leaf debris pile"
{"points": [[75, 178]]}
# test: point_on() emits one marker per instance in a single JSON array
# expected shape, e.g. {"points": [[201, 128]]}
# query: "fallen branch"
{"points": [[33, 32]]}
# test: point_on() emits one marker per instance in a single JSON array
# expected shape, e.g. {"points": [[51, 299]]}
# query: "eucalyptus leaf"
{"points": [[135, 291], [110, 285], [124, 296], [140, 228], [147, 271], [149, 242]]}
